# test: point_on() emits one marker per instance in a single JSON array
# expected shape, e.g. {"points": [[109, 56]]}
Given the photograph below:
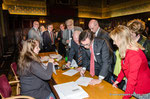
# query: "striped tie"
{"points": [[79, 56]]}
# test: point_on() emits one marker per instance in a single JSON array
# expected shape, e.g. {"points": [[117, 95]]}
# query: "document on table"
{"points": [[70, 90], [70, 72], [58, 57], [84, 81], [74, 63], [54, 70]]}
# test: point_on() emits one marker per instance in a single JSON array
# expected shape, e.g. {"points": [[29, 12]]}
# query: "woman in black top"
{"points": [[33, 77]]}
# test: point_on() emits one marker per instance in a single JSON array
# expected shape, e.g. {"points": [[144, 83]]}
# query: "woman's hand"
{"points": [[115, 84], [51, 60]]}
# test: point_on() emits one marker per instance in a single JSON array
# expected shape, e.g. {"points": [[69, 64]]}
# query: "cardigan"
{"points": [[135, 68]]}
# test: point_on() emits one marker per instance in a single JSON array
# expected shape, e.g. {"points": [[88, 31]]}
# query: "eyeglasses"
{"points": [[83, 45]]}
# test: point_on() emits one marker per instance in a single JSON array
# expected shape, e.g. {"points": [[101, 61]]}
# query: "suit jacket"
{"points": [[33, 34], [48, 47], [60, 35], [103, 58], [66, 34], [73, 52], [103, 34], [135, 68], [35, 83]]}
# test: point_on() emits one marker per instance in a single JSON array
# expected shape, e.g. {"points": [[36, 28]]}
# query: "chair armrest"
{"points": [[13, 82], [20, 97]]}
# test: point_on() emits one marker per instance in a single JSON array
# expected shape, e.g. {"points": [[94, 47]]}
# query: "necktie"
{"points": [[79, 56], [92, 69], [71, 33]]}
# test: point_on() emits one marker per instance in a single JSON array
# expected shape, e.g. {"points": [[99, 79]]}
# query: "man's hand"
{"points": [[115, 84], [67, 41], [58, 38], [68, 64], [79, 69], [82, 71], [95, 81]]}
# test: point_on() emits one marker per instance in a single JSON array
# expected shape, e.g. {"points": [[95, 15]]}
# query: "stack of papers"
{"points": [[74, 63], [70, 72], [58, 57], [70, 90], [83, 81]]}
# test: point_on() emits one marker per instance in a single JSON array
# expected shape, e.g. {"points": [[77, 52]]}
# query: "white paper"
{"points": [[56, 56], [70, 72], [54, 70], [84, 81], [70, 90], [74, 63]]}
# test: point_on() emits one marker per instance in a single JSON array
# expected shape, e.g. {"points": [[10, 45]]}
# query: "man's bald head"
{"points": [[76, 36], [93, 25]]}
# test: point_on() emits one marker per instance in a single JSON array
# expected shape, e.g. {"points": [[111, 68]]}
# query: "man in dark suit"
{"points": [[75, 50], [99, 32], [98, 58], [61, 46], [49, 39]]}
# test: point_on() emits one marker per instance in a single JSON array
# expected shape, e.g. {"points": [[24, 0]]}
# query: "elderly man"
{"points": [[75, 50], [67, 33], [99, 32], [34, 33]]}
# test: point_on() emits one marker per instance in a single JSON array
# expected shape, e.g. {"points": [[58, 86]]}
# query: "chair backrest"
{"points": [[5, 88], [14, 68]]}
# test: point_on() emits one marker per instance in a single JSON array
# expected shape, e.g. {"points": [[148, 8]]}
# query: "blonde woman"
{"points": [[33, 77], [134, 64]]}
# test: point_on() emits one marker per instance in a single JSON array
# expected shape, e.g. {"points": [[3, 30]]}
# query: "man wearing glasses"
{"points": [[97, 58]]}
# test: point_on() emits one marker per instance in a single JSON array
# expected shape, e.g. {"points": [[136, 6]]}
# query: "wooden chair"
{"points": [[5, 89], [14, 69]]}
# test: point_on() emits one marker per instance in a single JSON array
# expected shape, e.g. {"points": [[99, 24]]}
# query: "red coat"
{"points": [[135, 68]]}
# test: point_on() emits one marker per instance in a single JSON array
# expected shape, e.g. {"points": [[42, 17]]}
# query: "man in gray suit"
{"points": [[67, 33], [34, 33]]}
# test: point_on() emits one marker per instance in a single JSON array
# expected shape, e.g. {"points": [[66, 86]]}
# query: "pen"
{"points": [[114, 82]]}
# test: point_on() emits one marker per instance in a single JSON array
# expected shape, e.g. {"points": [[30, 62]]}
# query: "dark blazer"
{"points": [[35, 83], [61, 46], [103, 34], [73, 53], [102, 55], [48, 47]]}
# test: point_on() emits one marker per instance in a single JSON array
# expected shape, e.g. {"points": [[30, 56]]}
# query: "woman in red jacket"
{"points": [[134, 64]]}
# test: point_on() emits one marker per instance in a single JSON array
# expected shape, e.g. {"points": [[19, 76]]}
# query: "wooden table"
{"points": [[104, 90]]}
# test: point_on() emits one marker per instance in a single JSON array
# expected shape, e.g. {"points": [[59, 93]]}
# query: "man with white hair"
{"points": [[67, 33], [75, 51]]}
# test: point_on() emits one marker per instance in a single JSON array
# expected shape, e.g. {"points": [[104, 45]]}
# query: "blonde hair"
{"points": [[123, 36], [27, 55], [137, 26]]}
